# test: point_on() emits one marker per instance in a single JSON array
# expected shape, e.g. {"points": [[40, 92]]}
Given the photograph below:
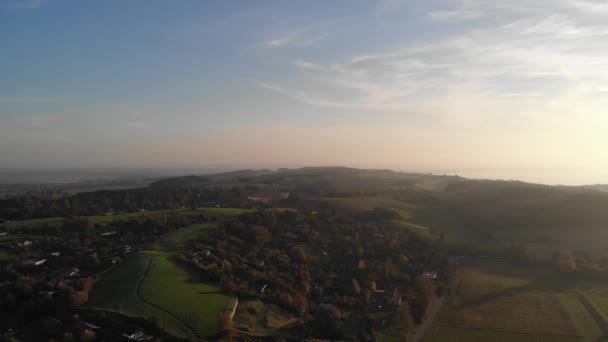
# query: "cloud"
{"points": [[298, 37], [548, 57], [25, 4], [458, 15], [31, 99]]}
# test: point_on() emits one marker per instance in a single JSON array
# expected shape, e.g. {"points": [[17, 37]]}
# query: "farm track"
{"points": [[598, 316], [140, 297]]}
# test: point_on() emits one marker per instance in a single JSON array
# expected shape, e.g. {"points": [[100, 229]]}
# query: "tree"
{"points": [[566, 262], [301, 304], [356, 287], [263, 234], [225, 323], [425, 296], [372, 285], [409, 326]]}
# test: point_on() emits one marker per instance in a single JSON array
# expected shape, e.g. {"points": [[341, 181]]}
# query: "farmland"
{"points": [[151, 284], [514, 304]]}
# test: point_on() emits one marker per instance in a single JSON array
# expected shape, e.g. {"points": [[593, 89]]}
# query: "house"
{"points": [[74, 272], [40, 262], [395, 297], [81, 327], [55, 254], [26, 243], [3, 233], [432, 274], [106, 234], [138, 335]]}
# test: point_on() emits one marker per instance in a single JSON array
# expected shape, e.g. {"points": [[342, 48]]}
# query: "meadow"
{"points": [[500, 302], [151, 284]]}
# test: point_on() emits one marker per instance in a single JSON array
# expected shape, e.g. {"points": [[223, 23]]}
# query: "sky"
{"points": [[429, 85]]}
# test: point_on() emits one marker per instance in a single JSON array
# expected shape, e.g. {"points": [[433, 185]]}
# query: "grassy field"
{"points": [[5, 255], [58, 221], [184, 294], [118, 291], [499, 302], [151, 284]]}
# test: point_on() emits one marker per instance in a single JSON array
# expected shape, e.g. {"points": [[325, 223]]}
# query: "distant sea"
{"points": [[549, 177]]}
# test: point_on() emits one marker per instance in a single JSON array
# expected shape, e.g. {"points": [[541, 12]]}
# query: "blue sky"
{"points": [[417, 85]]}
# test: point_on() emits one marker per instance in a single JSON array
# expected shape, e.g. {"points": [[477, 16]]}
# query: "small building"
{"points": [[395, 297], [55, 254], [138, 335]]}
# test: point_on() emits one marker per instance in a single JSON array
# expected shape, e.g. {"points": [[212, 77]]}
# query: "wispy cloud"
{"points": [[31, 99], [540, 58], [24, 4], [298, 37], [457, 15]]}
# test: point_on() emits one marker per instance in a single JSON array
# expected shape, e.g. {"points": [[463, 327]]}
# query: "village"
{"points": [[55, 267], [320, 275]]}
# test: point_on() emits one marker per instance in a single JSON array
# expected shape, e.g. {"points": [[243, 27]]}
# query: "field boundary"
{"points": [[594, 311], [508, 331]]}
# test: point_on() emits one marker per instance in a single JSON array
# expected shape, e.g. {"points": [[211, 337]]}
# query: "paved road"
{"points": [[424, 328]]}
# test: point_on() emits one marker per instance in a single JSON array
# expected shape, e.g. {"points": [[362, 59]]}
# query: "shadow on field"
{"points": [[495, 295], [544, 278], [195, 275], [208, 292]]}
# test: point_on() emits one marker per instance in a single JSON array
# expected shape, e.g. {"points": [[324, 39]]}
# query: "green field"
{"points": [[151, 284], [5, 255], [497, 301], [183, 294], [58, 221]]}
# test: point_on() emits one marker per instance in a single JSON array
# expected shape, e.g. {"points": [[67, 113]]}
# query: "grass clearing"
{"points": [[151, 284], [117, 291], [500, 302], [183, 294], [5, 255]]}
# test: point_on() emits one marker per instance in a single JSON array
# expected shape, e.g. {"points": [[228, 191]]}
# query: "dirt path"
{"points": [[424, 328]]}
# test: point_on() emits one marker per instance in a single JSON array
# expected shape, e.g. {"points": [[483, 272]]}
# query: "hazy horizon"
{"points": [[75, 175], [485, 88]]}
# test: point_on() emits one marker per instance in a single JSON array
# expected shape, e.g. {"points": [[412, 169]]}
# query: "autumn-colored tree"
{"points": [[519, 251], [425, 293], [263, 235], [225, 323], [393, 244], [362, 265], [301, 304], [87, 335], [388, 269], [372, 285], [356, 287], [566, 262], [335, 313], [409, 326]]}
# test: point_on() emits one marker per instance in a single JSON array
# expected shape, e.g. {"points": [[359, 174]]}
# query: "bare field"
{"points": [[497, 301]]}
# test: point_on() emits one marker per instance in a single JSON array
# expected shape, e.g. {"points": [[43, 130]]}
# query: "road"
{"points": [[424, 328]]}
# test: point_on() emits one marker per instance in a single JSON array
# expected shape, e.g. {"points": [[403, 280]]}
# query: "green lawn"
{"points": [[176, 296], [4, 255], [183, 294], [117, 291]]}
